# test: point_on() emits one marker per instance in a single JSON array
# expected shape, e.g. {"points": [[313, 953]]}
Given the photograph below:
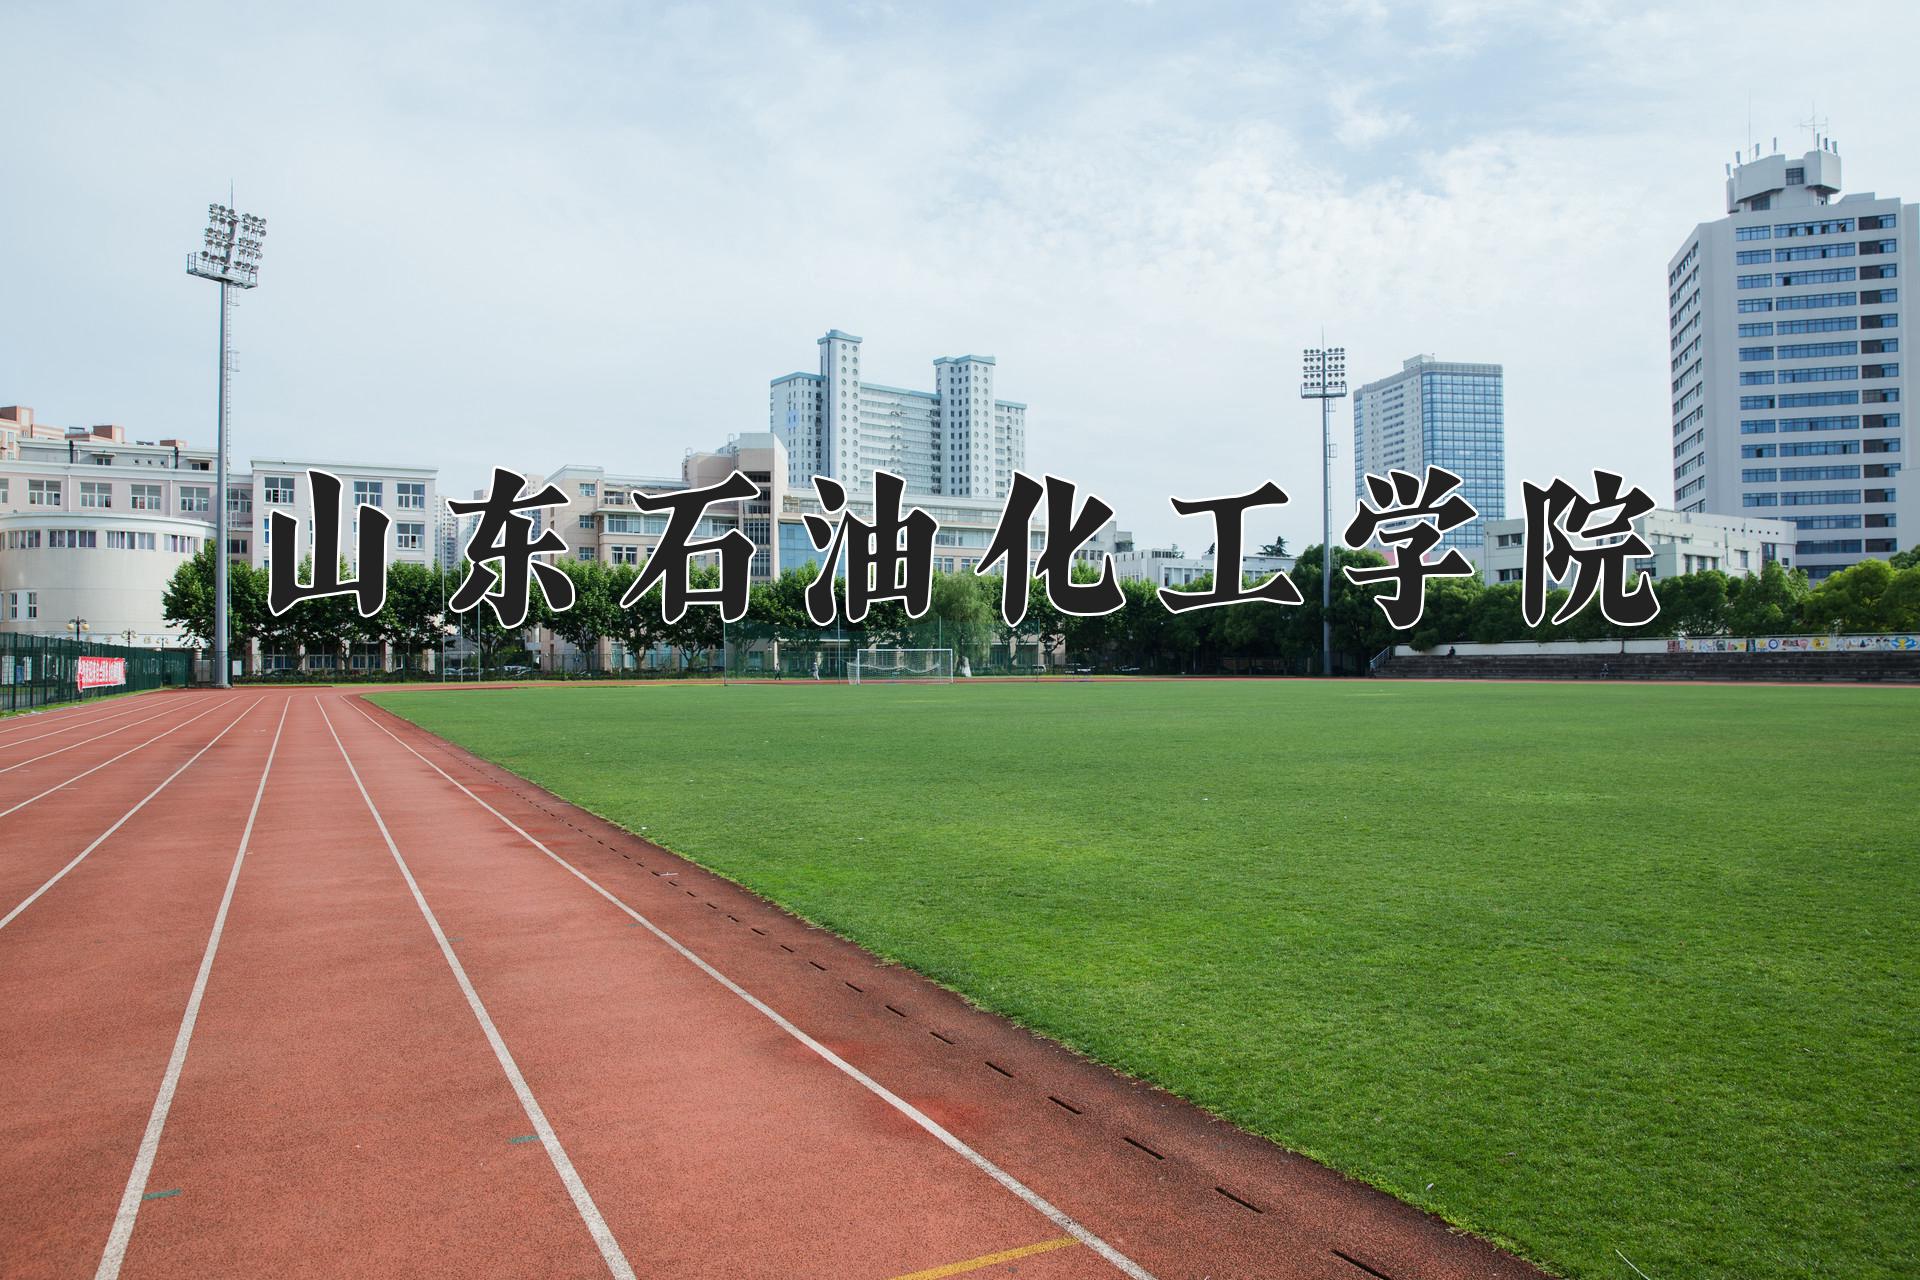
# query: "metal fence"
{"points": [[754, 651], [39, 671]]}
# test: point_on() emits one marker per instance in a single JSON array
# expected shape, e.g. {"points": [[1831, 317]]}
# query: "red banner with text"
{"points": [[101, 673]]}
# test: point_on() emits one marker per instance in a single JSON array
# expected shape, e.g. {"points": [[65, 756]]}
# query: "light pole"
{"points": [[1323, 377], [230, 258]]}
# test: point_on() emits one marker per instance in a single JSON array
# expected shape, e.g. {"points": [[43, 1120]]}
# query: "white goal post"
{"points": [[877, 665]]}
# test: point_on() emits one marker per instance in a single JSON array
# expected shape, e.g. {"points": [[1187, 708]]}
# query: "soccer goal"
{"points": [[883, 665]]}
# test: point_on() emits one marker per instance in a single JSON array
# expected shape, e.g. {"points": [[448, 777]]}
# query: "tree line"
{"points": [[1872, 596]]}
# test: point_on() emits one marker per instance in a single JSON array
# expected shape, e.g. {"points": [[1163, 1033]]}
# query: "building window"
{"points": [[589, 489], [586, 521], [1796, 176], [144, 497], [278, 491], [587, 553], [410, 495], [33, 605], [368, 493], [621, 554], [96, 493], [409, 537], [195, 499]]}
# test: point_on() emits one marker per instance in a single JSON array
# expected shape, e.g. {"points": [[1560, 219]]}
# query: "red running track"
{"points": [[291, 988]]}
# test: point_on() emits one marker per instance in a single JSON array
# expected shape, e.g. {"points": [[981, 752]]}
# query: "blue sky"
{"points": [[498, 236]]}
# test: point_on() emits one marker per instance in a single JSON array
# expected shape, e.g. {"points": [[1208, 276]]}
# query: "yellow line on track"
{"points": [[989, 1259]]}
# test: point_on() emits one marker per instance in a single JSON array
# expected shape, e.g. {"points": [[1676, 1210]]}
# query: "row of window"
{"points": [[1816, 497], [1771, 475], [408, 495], [1812, 350], [1819, 324], [1808, 448], [23, 606], [1819, 301], [1815, 399], [1819, 373], [88, 539], [1827, 227], [407, 535]]}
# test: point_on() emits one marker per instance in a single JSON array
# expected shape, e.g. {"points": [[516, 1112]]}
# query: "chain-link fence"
{"points": [[38, 671]]}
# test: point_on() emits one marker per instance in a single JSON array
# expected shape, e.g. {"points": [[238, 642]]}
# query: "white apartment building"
{"points": [[93, 526], [1787, 381], [1681, 542], [1437, 413], [958, 440], [408, 495]]}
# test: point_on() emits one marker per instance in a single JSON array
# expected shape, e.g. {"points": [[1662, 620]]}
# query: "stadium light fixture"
{"points": [[229, 256], [1323, 377]]}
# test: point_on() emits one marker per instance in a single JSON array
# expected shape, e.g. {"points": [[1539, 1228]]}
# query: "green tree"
{"points": [[1852, 599], [414, 619], [188, 599], [1768, 603], [594, 614], [1360, 630]]}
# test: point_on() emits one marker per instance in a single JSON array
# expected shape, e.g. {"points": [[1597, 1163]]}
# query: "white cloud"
{"points": [[493, 240]]}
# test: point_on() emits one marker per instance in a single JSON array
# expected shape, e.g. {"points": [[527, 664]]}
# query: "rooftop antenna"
{"points": [[1816, 124]]}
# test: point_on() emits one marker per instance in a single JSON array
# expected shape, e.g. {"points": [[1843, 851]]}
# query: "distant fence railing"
{"points": [[1892, 642], [39, 671]]}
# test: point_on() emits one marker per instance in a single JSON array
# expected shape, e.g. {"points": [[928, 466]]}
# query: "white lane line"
{"points": [[123, 755], [68, 725], [48, 755], [80, 857], [582, 1200], [123, 1221], [1059, 1217]]}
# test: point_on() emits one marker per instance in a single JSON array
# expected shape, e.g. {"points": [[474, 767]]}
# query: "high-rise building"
{"points": [[957, 440], [1784, 335], [1437, 413]]}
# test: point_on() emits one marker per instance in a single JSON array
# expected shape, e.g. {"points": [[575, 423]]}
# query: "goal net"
{"points": [[878, 665]]}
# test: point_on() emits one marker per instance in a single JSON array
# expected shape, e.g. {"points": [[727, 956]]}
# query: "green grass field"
{"points": [[1582, 968]]}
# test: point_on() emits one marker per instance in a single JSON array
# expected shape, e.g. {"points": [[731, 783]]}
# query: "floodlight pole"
{"points": [[230, 258], [222, 669], [1324, 378]]}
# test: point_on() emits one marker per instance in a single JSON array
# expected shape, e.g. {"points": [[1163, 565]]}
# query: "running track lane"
{"points": [[31, 722], [93, 973], [68, 730], [339, 1111], [97, 767]]}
